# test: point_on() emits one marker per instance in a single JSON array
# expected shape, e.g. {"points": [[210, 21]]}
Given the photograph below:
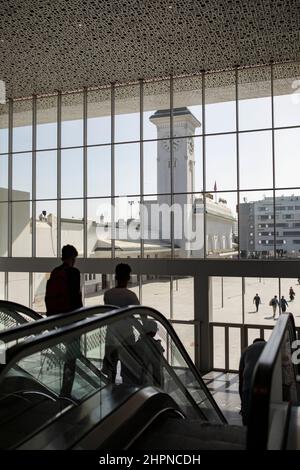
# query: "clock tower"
{"points": [[183, 159]]}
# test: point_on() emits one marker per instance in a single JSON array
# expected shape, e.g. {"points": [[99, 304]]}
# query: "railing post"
{"points": [[243, 337], [226, 348], [203, 359]]}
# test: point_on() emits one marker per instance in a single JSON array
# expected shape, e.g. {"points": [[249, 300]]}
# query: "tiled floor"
{"points": [[225, 389]]}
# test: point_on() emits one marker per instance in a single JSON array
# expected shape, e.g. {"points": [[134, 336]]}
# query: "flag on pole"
{"points": [[215, 186]]}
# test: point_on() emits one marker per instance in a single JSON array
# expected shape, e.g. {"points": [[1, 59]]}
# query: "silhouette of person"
{"points": [[63, 294], [150, 353], [291, 294], [283, 304], [119, 337], [247, 364], [274, 304], [257, 301]]}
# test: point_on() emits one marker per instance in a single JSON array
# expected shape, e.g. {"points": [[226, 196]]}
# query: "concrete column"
{"points": [[203, 350]]}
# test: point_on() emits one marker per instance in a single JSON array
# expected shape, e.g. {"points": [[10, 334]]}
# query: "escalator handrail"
{"points": [[19, 319], [45, 323], [32, 345], [18, 308], [257, 435]]}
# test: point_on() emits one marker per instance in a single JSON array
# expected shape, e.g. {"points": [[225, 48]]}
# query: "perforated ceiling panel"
{"points": [[61, 44]]}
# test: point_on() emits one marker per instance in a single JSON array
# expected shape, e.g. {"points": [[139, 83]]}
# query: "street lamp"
{"points": [[131, 204]]}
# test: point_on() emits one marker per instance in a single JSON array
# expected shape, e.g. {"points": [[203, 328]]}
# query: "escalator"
{"points": [[175, 411], [113, 415], [20, 323]]}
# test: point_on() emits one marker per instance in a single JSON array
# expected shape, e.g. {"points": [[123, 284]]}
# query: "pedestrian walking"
{"points": [[274, 304], [257, 301], [291, 294], [283, 304]]}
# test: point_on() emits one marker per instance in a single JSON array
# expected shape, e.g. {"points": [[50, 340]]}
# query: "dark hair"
{"points": [[68, 251], [256, 340], [123, 271]]}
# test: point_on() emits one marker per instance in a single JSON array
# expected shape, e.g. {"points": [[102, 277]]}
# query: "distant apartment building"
{"points": [[257, 232]]}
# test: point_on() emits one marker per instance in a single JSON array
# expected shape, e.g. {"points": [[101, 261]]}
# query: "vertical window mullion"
{"points": [[113, 235], [237, 151], [10, 170], [34, 133], [59, 104], [204, 163], [273, 159], [33, 208], [172, 189], [85, 113], [141, 183]]}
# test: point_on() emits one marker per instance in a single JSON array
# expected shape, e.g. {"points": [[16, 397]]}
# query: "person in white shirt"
{"points": [[120, 295], [119, 337]]}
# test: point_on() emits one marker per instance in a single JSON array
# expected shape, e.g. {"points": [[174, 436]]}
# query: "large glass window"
{"points": [[72, 120], [46, 175], [98, 118], [72, 224], [220, 104], [254, 93], [46, 228], [46, 117], [127, 169], [216, 146], [221, 166], [21, 229], [22, 125], [4, 128], [255, 160], [127, 113], [3, 177], [3, 228], [72, 173], [99, 171], [287, 95], [22, 176], [99, 228], [256, 225]]}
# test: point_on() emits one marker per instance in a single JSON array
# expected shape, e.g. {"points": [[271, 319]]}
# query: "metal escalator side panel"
{"points": [[121, 428], [75, 330], [273, 386], [293, 431], [78, 422]]}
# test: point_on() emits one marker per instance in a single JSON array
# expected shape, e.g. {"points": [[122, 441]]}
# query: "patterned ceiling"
{"points": [[47, 45]]}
